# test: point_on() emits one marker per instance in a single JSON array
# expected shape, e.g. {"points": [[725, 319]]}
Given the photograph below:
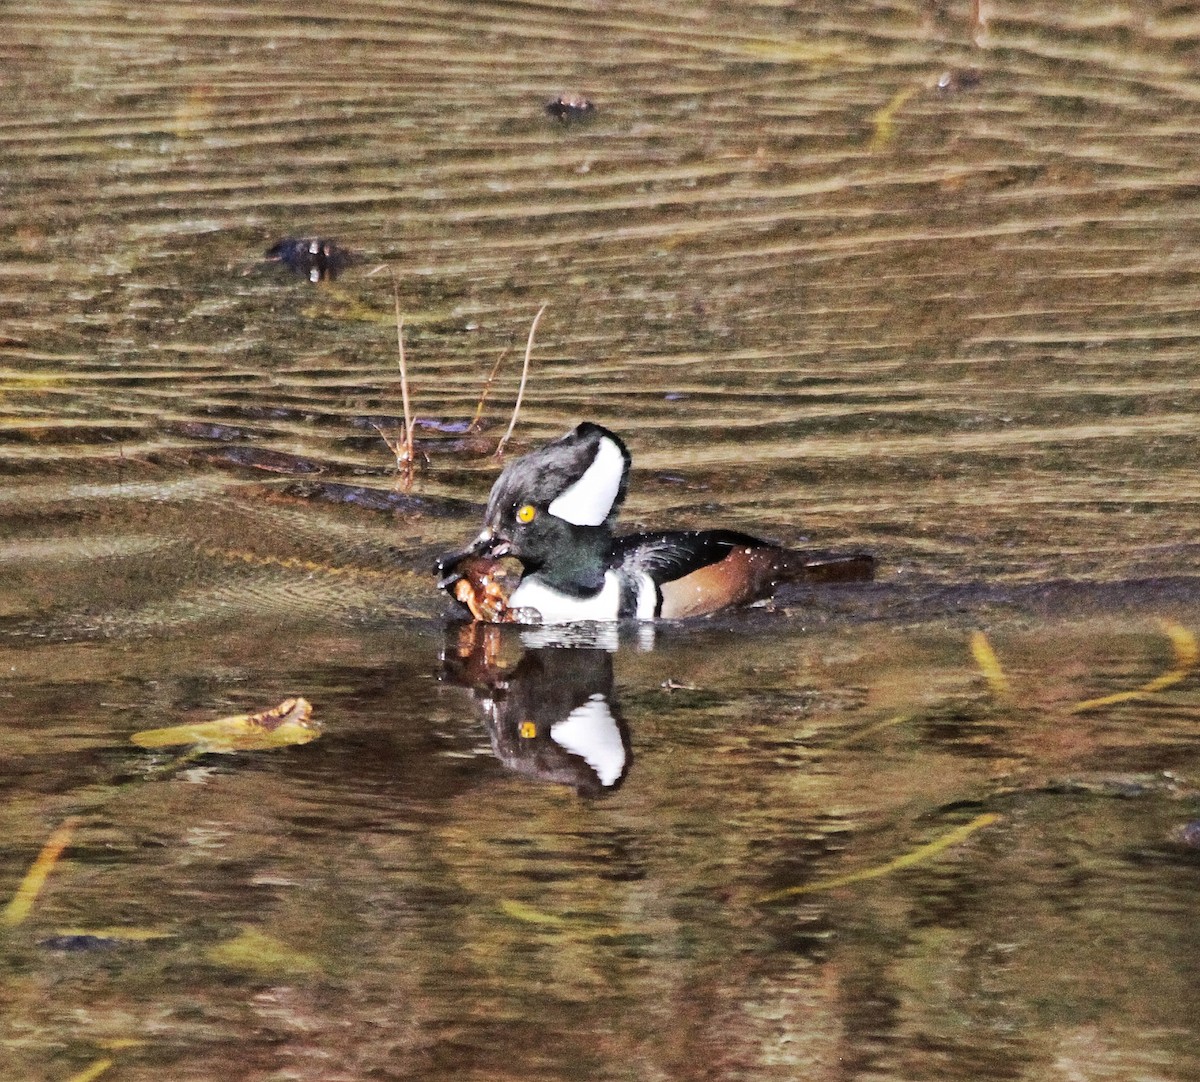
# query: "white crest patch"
{"points": [[590, 731], [590, 499]]}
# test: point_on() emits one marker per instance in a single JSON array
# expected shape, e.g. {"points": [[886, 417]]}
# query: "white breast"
{"points": [[560, 608]]}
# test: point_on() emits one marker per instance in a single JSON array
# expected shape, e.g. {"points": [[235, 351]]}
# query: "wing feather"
{"points": [[700, 571]]}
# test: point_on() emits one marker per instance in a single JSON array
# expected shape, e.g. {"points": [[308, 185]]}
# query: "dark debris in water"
{"points": [[314, 258], [209, 430], [376, 499], [456, 436], [1114, 786], [79, 943], [258, 458], [956, 80], [570, 107], [449, 426], [1189, 834]]}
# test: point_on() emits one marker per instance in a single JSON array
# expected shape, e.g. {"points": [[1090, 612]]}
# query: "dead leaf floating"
{"points": [[289, 723], [261, 953]]}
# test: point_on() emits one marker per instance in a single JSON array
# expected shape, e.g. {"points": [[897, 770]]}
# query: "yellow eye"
{"points": [[526, 513]]}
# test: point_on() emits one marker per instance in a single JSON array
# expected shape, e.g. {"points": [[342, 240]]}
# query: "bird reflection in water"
{"points": [[549, 709]]}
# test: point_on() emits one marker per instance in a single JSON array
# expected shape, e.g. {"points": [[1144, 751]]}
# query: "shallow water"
{"points": [[824, 301]]}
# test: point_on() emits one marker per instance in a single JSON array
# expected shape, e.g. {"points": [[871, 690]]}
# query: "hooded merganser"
{"points": [[554, 509]]}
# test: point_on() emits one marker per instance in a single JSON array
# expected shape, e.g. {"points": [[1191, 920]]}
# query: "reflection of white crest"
{"points": [[590, 731], [590, 499]]}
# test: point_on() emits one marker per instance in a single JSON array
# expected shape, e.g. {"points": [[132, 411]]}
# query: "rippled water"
{"points": [[824, 300]]}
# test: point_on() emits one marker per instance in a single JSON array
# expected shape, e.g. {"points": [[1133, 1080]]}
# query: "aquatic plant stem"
{"points": [[524, 376], [916, 856], [989, 664], [487, 386], [94, 1070], [407, 434], [31, 886], [1187, 656]]}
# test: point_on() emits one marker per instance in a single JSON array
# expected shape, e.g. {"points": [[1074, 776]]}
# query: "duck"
{"points": [[554, 510]]}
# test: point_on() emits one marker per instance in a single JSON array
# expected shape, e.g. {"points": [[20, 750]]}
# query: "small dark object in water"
{"points": [[957, 79], [201, 430], [312, 257], [453, 427], [569, 107], [77, 942], [258, 458], [1189, 834], [376, 499]]}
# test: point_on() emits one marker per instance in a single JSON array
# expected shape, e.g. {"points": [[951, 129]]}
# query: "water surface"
{"points": [[823, 300]]}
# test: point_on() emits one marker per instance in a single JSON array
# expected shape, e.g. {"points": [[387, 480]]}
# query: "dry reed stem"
{"points": [[487, 386], [402, 448], [407, 434], [521, 389]]}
